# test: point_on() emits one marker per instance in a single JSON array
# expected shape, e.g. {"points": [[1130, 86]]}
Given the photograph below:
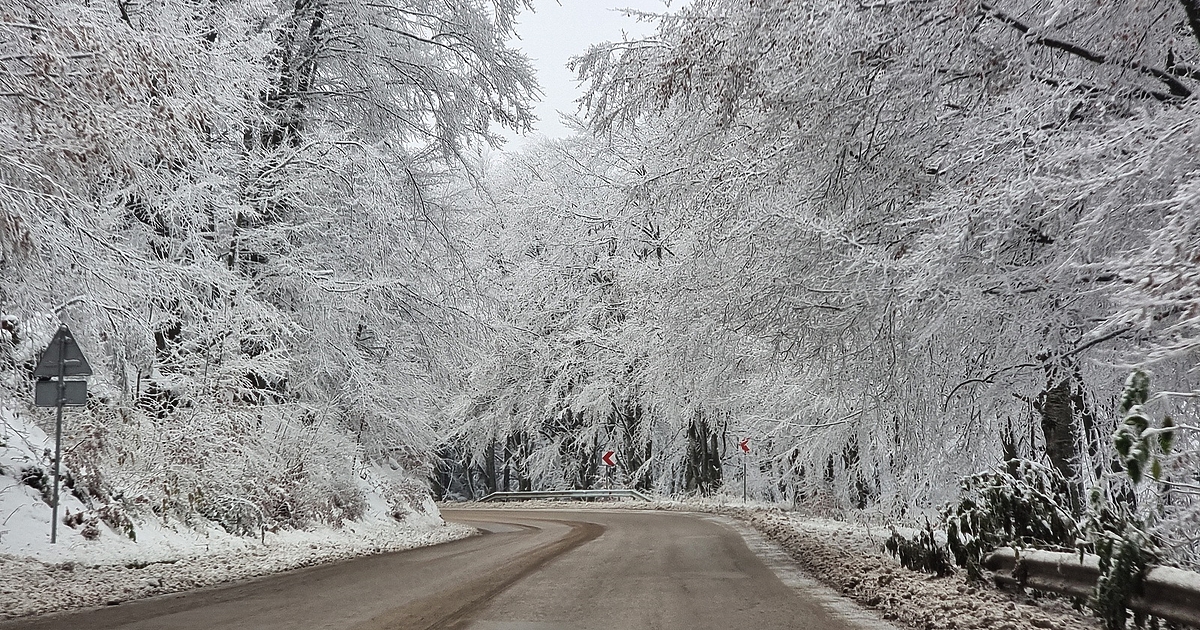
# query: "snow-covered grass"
{"points": [[850, 558], [108, 566]]}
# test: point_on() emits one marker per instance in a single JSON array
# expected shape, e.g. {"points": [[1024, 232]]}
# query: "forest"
{"points": [[910, 249]]}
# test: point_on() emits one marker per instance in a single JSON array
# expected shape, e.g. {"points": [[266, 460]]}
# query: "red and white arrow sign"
{"points": [[744, 445], [608, 458]]}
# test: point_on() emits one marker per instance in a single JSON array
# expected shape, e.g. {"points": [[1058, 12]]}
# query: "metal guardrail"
{"points": [[1168, 593], [620, 493]]}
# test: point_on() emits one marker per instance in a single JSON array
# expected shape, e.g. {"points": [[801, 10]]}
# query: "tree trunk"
{"points": [[489, 467], [703, 470], [634, 451], [856, 485], [1060, 431]]}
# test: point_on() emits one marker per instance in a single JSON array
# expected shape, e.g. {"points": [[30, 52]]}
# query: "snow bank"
{"points": [[31, 587], [37, 577], [850, 558], [26, 461]]}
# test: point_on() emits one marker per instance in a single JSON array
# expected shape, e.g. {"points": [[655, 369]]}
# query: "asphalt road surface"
{"points": [[530, 570]]}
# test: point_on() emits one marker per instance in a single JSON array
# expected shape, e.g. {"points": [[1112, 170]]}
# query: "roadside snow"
{"points": [[77, 572], [850, 559], [24, 514], [31, 587]]}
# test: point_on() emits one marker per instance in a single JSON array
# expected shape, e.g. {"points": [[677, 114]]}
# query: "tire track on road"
{"points": [[448, 610]]}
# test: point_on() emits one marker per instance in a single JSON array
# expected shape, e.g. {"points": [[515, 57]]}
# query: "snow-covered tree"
{"points": [[908, 236], [240, 210]]}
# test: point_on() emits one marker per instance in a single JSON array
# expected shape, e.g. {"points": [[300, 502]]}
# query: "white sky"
{"points": [[561, 29]]}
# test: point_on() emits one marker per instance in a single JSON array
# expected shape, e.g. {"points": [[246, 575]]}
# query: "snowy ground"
{"points": [[31, 587], [76, 572], [850, 558]]}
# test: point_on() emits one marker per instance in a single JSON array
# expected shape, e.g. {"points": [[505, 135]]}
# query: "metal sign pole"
{"points": [[62, 399], [743, 476], [744, 445], [62, 358]]}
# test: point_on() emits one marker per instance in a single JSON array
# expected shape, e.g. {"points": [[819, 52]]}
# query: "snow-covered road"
{"points": [[637, 563], [534, 569]]}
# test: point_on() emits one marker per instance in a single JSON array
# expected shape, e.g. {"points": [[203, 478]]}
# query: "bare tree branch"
{"points": [[1177, 88], [1192, 8]]}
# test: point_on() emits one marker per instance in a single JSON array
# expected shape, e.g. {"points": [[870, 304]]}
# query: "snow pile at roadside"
{"points": [[850, 559], [26, 482], [106, 566], [26, 456], [31, 587]]}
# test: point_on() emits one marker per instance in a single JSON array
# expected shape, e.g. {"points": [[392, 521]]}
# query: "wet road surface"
{"points": [[529, 570]]}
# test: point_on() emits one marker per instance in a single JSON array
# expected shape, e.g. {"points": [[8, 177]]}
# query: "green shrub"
{"points": [[1117, 531], [1022, 506]]}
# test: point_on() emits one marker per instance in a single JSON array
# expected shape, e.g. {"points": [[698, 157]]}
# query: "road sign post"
{"points": [[744, 445], [61, 359], [62, 400], [611, 465]]}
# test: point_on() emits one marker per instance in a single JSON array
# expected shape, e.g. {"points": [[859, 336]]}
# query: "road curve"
{"points": [[530, 570]]}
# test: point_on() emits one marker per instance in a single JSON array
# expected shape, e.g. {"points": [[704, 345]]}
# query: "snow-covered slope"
{"points": [[86, 531], [93, 563], [26, 470]]}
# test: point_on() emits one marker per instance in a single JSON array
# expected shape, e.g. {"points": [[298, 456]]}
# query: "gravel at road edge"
{"points": [[853, 562]]}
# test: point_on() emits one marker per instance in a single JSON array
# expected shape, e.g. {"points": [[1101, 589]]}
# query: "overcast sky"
{"points": [[559, 30]]}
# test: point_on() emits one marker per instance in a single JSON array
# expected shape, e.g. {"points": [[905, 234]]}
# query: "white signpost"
{"points": [[61, 359]]}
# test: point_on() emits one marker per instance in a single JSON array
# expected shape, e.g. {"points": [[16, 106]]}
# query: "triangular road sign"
{"points": [[62, 350]]}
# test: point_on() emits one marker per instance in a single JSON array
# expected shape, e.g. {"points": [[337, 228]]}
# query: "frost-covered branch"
{"points": [[1178, 89]]}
